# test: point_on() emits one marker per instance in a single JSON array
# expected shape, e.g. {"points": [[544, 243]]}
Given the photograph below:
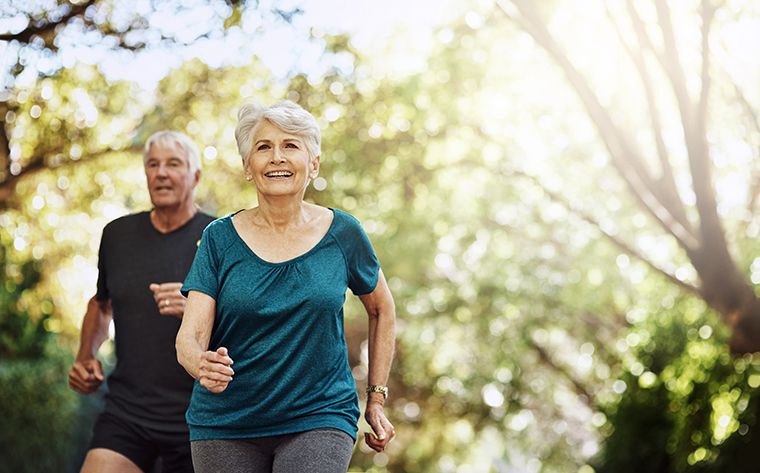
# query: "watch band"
{"points": [[378, 389]]}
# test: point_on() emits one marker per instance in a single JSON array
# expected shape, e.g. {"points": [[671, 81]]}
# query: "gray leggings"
{"points": [[317, 451]]}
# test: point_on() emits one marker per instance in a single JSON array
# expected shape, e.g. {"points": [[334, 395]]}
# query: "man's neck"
{"points": [[168, 219]]}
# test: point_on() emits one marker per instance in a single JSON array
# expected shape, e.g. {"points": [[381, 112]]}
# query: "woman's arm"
{"points": [[382, 332], [211, 368]]}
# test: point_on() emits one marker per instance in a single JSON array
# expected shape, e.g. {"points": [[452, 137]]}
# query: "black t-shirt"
{"points": [[148, 386]]}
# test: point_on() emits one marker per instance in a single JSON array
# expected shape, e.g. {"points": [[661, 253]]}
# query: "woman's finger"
{"points": [[217, 356], [216, 376], [213, 386], [372, 442]]}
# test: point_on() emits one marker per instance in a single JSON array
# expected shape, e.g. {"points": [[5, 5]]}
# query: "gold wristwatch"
{"points": [[378, 389]]}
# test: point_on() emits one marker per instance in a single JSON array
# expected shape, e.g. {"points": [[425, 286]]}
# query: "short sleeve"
{"points": [[363, 265], [101, 293], [203, 273]]}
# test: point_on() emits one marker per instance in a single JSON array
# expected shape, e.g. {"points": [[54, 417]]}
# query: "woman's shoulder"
{"points": [[346, 226], [343, 223], [345, 218]]}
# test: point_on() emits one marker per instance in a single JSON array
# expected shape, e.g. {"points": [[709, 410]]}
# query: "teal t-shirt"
{"points": [[282, 324]]}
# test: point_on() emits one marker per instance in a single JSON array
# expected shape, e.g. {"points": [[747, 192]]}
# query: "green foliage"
{"points": [[22, 335], [688, 405], [38, 412]]}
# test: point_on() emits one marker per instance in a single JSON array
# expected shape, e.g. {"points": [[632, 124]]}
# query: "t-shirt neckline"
{"points": [[295, 259], [180, 228]]}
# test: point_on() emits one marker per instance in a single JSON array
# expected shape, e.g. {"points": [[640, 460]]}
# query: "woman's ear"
{"points": [[314, 167]]}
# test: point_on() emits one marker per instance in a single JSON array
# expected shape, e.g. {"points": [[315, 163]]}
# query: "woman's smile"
{"points": [[279, 174]]}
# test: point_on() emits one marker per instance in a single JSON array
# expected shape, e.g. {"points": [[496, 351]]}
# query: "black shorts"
{"points": [[143, 446]]}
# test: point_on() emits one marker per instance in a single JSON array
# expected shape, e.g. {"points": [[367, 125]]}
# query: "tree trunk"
{"points": [[721, 284]]}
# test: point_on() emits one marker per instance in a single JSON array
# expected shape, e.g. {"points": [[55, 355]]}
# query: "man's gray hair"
{"points": [[287, 116], [170, 139]]}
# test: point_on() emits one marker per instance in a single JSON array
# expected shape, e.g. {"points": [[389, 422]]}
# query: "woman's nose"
{"points": [[277, 156]]}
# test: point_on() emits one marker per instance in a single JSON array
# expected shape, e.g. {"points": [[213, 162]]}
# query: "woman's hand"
{"points": [[381, 426], [214, 371]]}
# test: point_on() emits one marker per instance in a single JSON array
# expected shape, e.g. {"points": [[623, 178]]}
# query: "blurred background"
{"points": [[562, 193]]}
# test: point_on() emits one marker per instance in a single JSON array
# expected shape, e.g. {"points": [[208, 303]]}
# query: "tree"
{"points": [[701, 234], [37, 73]]}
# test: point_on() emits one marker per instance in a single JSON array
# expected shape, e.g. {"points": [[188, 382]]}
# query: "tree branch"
{"points": [[8, 186], [43, 27], [669, 196], [623, 246], [708, 11], [711, 229], [5, 149], [671, 64], [629, 164], [584, 394]]}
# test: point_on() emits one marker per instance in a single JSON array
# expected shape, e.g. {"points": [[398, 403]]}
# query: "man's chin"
{"points": [[164, 203]]}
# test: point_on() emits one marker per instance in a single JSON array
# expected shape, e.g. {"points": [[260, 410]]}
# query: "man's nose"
{"points": [[162, 170]]}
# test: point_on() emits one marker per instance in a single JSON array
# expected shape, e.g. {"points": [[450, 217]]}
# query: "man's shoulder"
{"points": [[127, 221], [205, 218], [217, 227]]}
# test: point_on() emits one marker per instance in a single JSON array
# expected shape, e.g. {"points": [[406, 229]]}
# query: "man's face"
{"points": [[170, 181]]}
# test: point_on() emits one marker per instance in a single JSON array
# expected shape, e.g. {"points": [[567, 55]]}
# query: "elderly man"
{"points": [[143, 260]]}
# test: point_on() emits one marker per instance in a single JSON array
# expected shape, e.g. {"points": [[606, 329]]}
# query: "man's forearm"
{"points": [[95, 325]]}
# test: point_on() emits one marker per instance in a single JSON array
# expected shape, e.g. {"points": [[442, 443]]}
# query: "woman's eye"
{"points": [[262, 147]]}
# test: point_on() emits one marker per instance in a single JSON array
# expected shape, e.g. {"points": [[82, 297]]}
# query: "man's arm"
{"points": [[86, 375]]}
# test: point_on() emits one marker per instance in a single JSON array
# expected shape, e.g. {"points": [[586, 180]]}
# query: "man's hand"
{"points": [[86, 376], [168, 298], [215, 373]]}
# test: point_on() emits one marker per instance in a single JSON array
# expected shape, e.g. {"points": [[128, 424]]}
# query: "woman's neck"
{"points": [[279, 214]]}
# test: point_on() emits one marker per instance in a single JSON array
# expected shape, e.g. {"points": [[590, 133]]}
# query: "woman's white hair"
{"points": [[287, 116], [170, 139]]}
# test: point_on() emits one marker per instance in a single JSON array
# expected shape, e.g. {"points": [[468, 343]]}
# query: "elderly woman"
{"points": [[266, 290]]}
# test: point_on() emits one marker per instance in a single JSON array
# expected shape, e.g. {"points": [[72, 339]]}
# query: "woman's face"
{"points": [[279, 163]]}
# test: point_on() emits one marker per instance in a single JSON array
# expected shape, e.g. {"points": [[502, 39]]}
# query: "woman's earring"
{"points": [[248, 177]]}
